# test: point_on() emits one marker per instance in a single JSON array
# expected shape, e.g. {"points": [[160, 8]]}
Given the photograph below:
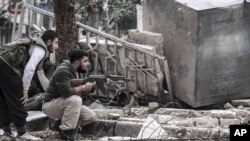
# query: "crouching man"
{"points": [[62, 98]]}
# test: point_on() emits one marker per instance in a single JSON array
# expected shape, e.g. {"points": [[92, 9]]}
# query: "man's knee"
{"points": [[93, 117], [88, 119], [75, 99]]}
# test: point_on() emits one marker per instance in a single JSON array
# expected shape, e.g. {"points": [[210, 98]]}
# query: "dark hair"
{"points": [[76, 54], [49, 35]]}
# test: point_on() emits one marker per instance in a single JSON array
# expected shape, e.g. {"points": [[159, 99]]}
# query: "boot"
{"points": [[55, 125], [68, 135]]}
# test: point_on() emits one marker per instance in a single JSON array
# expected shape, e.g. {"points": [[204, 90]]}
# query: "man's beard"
{"points": [[80, 70], [50, 49]]}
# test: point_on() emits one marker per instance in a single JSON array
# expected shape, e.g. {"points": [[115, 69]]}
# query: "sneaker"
{"points": [[28, 137], [68, 135], [8, 134]]}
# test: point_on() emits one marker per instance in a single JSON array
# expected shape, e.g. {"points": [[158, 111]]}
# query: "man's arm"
{"points": [[65, 87], [36, 56], [77, 82]]}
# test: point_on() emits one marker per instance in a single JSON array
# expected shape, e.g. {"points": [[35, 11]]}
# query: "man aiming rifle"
{"points": [[62, 98]]}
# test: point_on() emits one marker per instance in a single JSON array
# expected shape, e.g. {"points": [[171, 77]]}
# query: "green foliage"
{"points": [[122, 12], [81, 11]]}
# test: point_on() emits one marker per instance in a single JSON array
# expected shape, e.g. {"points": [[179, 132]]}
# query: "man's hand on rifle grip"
{"points": [[109, 82], [87, 87]]}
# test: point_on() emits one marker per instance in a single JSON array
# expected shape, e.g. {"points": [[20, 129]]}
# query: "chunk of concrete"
{"points": [[183, 113], [113, 116], [147, 38], [139, 120], [225, 123], [197, 133], [243, 102], [240, 113], [35, 115], [207, 47], [228, 106], [140, 112], [206, 122], [37, 120], [104, 113], [165, 119], [219, 114], [125, 128], [182, 123]]}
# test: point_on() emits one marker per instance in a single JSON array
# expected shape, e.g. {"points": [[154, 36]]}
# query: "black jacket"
{"points": [[60, 85]]}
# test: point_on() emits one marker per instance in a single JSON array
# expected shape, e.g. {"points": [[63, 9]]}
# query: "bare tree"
{"points": [[65, 26]]}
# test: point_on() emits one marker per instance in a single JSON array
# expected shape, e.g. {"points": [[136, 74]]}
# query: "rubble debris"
{"points": [[228, 106], [152, 130], [243, 102], [113, 116]]}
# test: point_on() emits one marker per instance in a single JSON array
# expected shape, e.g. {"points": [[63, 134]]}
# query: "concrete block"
{"points": [[228, 106], [124, 128], [116, 111], [101, 128], [207, 47], [183, 113], [245, 120], [38, 124], [240, 113], [225, 123], [35, 115], [195, 133], [140, 112], [206, 122], [181, 123], [138, 120], [37, 120], [219, 114], [104, 113], [147, 38], [243, 102], [164, 119]]}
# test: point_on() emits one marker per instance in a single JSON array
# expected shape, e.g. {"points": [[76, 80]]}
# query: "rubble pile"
{"points": [[137, 123]]}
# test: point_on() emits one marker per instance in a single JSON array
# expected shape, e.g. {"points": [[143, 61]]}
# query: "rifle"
{"points": [[101, 79], [95, 78]]}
